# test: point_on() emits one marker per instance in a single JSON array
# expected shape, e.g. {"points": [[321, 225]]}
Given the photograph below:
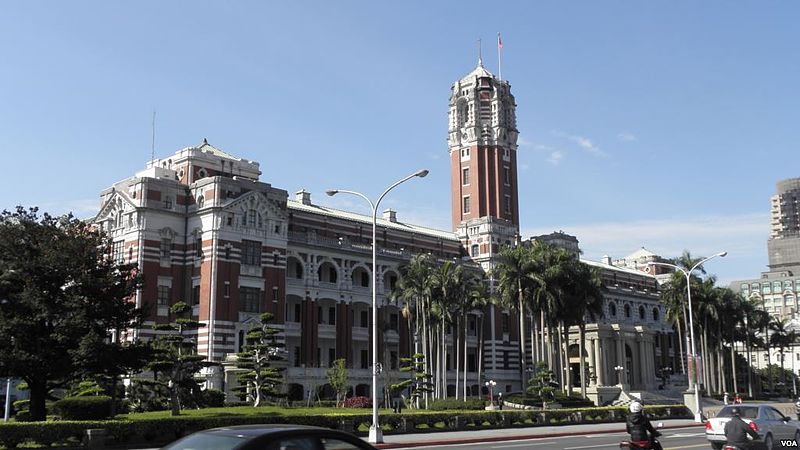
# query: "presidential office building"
{"points": [[205, 229]]}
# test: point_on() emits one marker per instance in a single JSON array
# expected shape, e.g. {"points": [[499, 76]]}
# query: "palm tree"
{"points": [[782, 337], [589, 307], [414, 290], [512, 273]]}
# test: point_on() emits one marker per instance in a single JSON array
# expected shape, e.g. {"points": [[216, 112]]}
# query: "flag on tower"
{"points": [[499, 41]]}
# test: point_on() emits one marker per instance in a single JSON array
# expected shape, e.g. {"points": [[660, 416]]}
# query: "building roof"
{"points": [[206, 147], [346, 215], [618, 269], [641, 253], [479, 72]]}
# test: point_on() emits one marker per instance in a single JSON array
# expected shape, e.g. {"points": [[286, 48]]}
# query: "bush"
{"points": [[211, 398], [84, 408], [358, 402], [457, 404]]}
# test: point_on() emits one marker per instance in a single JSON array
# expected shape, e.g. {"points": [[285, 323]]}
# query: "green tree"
{"points": [[260, 353], [61, 292], [420, 381], [541, 383], [337, 378], [176, 361]]}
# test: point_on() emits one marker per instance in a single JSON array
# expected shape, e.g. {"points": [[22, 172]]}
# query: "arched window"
{"points": [[612, 309], [641, 312], [628, 311], [475, 250], [200, 201], [655, 314]]}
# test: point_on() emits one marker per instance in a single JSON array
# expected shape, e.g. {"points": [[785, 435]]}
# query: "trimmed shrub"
{"points": [[212, 398], [84, 408], [456, 404], [358, 402]]}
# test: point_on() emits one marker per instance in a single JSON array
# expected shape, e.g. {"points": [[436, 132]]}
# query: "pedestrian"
{"points": [[500, 400], [797, 408], [725, 399], [737, 399]]}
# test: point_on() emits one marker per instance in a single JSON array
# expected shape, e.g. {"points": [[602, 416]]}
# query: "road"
{"points": [[688, 438]]}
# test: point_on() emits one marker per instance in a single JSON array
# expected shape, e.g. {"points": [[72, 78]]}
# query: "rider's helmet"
{"points": [[636, 407], [735, 412]]}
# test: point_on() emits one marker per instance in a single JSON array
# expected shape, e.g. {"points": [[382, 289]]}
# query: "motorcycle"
{"points": [[640, 445], [643, 445]]}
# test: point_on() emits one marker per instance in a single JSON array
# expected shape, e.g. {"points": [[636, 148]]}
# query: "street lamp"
{"points": [[619, 370], [375, 433], [698, 415], [490, 386]]}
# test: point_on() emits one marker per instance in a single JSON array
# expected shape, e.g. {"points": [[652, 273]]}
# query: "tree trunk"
{"points": [[733, 362], [582, 346], [465, 331], [444, 359], [534, 341], [679, 338], [521, 306], [480, 351], [457, 349], [38, 393]]}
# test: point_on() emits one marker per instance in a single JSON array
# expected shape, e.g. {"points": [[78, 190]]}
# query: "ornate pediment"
{"points": [[257, 201], [113, 209]]}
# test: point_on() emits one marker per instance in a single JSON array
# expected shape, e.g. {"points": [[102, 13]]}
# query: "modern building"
{"points": [[205, 229]]}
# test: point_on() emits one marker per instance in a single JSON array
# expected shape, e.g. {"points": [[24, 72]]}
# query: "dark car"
{"points": [[269, 437]]}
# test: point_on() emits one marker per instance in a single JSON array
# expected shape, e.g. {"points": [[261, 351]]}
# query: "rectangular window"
{"points": [[506, 360], [297, 356], [506, 176], [393, 360], [166, 248], [251, 253], [393, 322], [505, 322], [168, 202], [508, 204], [275, 294], [163, 295], [249, 300], [471, 367], [331, 356], [332, 315], [466, 205], [116, 252], [364, 359], [251, 218], [198, 248], [319, 356], [319, 314], [297, 312], [196, 295], [364, 319], [226, 291], [465, 176]]}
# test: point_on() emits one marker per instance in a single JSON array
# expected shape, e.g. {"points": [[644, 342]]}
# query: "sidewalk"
{"points": [[508, 434]]}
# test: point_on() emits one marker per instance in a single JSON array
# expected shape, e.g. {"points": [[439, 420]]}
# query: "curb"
{"points": [[515, 438]]}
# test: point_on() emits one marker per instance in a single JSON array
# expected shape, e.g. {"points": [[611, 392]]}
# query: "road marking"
{"points": [[586, 446], [525, 444], [687, 446]]}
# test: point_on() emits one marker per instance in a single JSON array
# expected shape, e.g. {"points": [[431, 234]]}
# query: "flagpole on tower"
{"points": [[499, 57]]}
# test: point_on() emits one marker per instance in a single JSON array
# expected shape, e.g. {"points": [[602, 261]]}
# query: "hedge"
{"points": [[84, 408], [156, 431]]}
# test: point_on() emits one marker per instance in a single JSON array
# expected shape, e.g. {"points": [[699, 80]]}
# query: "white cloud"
{"points": [[522, 142], [743, 236], [583, 142], [626, 137], [80, 208], [555, 157]]}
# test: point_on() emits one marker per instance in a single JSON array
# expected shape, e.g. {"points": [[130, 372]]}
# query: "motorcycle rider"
{"points": [[736, 430], [639, 427]]}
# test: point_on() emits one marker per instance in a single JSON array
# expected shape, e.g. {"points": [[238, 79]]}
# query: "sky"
{"points": [[656, 124]]}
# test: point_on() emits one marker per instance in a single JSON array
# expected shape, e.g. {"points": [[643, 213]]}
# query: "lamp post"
{"points": [[490, 386], [698, 415], [375, 433], [619, 370]]}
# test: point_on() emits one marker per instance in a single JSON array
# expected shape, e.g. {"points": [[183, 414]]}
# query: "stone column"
{"points": [[592, 362]]}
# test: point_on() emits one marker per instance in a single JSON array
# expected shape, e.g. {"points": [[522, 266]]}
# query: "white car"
{"points": [[768, 422]]}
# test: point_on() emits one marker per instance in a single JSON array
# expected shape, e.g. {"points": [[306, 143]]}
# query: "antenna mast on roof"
{"points": [[153, 142]]}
